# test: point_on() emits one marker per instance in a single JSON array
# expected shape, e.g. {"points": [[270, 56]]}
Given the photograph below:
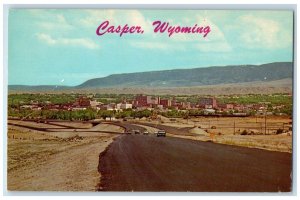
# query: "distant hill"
{"points": [[195, 77], [39, 88], [266, 78]]}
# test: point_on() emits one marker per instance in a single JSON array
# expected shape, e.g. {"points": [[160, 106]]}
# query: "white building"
{"points": [[122, 106], [78, 108], [209, 111], [95, 104]]}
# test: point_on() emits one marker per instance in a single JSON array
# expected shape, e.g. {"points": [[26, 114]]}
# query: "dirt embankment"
{"points": [[64, 161]]}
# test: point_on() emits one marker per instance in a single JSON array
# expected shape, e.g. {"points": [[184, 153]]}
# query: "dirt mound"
{"points": [[289, 133], [197, 130]]}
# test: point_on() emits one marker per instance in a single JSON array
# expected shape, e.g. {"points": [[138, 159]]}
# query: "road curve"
{"points": [[169, 129], [148, 163]]}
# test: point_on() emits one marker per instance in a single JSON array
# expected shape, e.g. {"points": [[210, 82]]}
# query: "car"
{"points": [[161, 133], [146, 133], [128, 132], [136, 131]]}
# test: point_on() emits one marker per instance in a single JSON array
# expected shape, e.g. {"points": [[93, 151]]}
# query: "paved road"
{"points": [[128, 126], [148, 163], [176, 131]]}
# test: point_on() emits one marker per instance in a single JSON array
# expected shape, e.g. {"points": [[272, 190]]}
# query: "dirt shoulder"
{"points": [[41, 162]]}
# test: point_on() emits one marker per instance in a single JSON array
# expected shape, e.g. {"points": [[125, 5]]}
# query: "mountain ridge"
{"points": [[193, 77]]}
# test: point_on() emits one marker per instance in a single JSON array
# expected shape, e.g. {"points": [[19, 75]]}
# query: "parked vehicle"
{"points": [[136, 131], [161, 133], [146, 133]]}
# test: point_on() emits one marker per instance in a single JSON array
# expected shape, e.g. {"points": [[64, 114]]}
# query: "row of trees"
{"points": [[90, 114], [83, 115], [275, 99]]}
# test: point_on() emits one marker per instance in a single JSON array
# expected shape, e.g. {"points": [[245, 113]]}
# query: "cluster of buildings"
{"points": [[209, 105]]}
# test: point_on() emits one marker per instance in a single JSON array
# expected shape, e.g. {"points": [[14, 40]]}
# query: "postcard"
{"points": [[150, 100]]}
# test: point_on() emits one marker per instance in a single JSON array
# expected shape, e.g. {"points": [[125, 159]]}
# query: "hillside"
{"points": [[195, 77], [264, 79]]}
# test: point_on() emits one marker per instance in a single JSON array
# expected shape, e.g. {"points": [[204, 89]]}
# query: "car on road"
{"points": [[146, 133], [128, 132], [136, 131], [161, 133]]}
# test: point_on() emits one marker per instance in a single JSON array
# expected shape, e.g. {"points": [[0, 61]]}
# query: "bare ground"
{"points": [[43, 161]]}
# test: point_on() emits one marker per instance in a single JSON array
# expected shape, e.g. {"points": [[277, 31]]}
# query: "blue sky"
{"points": [[60, 46]]}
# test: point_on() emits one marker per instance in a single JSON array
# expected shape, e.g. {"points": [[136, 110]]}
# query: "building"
{"points": [[208, 102], [146, 101], [239, 107], [95, 104], [82, 102], [153, 100], [165, 103], [78, 108], [111, 106], [209, 111], [174, 103], [122, 106], [31, 107], [227, 106], [140, 101]]}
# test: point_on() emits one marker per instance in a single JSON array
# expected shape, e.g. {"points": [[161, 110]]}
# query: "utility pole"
{"points": [[265, 122], [234, 127]]}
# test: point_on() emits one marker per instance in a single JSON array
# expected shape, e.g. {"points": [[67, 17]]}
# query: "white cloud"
{"points": [[261, 32], [215, 41], [115, 18], [80, 42], [221, 47], [55, 23], [94, 17], [215, 33], [165, 46], [149, 45]]}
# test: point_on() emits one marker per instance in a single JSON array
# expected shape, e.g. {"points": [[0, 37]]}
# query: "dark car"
{"points": [[136, 131], [161, 133]]}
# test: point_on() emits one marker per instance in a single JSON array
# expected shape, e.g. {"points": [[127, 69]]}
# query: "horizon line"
{"points": [[137, 72]]}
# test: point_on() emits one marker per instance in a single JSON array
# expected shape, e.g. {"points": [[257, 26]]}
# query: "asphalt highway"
{"points": [[149, 163]]}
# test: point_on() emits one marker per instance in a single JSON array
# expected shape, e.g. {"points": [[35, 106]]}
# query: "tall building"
{"points": [[208, 102], [140, 100], [143, 100], [165, 103], [152, 100]]}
